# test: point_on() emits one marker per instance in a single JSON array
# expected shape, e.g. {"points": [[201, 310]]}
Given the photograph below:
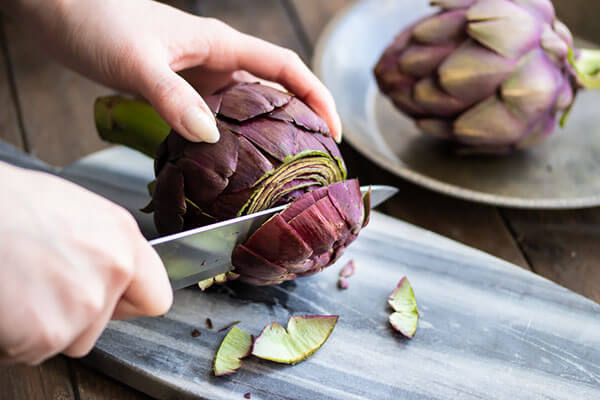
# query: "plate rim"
{"points": [[424, 180]]}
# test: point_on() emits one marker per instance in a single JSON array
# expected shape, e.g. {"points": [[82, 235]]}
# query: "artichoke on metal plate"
{"points": [[491, 74], [273, 150]]}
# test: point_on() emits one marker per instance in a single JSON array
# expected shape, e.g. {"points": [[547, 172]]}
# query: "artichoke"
{"points": [[306, 237], [273, 149], [491, 74]]}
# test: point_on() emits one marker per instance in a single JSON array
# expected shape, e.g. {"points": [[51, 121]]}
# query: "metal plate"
{"points": [[563, 172]]}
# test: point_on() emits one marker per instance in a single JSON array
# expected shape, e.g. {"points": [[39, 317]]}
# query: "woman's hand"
{"points": [[71, 261], [139, 45]]}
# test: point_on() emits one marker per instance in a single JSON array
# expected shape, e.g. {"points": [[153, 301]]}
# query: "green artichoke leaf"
{"points": [[302, 338], [236, 345], [406, 315]]}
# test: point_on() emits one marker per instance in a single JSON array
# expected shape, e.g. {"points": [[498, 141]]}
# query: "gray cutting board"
{"points": [[488, 329]]}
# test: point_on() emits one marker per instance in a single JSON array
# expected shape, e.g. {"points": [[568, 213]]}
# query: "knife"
{"points": [[205, 252]]}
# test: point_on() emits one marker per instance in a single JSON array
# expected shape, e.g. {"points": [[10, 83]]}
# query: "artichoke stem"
{"points": [[129, 122], [587, 65]]}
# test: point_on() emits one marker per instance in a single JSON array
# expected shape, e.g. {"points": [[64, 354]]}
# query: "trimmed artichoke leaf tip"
{"points": [[236, 345], [302, 338], [405, 317]]}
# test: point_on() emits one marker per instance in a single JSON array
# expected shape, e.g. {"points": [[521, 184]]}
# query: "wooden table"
{"points": [[46, 110]]}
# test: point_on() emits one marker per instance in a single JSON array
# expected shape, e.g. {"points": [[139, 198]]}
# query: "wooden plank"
{"points": [[265, 19], [580, 16], [92, 385], [562, 246], [476, 225], [56, 103], [315, 14], [9, 123], [49, 380]]}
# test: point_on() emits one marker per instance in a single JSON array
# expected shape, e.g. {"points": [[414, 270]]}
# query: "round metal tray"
{"points": [[563, 172]]}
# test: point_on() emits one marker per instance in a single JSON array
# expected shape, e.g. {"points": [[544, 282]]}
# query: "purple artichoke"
{"points": [[306, 237], [493, 74], [273, 148]]}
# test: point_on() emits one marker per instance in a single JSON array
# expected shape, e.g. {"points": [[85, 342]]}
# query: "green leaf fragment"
{"points": [[304, 336], [205, 284], [406, 315], [235, 346], [220, 279]]}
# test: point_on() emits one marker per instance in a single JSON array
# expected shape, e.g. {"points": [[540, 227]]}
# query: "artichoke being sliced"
{"points": [[235, 346], [304, 335], [406, 315], [273, 150]]}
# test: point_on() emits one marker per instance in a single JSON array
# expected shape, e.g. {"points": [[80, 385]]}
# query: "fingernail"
{"points": [[338, 122], [200, 125]]}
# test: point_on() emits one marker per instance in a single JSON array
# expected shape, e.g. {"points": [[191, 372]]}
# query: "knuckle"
{"points": [[122, 272], [51, 339], [165, 90], [125, 221], [92, 304], [291, 56]]}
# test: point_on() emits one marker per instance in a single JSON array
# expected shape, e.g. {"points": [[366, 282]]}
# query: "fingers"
{"points": [[84, 343], [179, 104], [149, 293], [283, 66]]}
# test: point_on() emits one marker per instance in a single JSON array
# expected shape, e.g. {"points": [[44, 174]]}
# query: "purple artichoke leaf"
{"points": [[251, 167], [300, 115], [278, 242], [348, 269], [248, 263], [246, 101], [169, 197], [346, 197], [315, 229]]}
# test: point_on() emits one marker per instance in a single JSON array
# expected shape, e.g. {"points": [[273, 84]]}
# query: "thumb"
{"points": [[179, 104]]}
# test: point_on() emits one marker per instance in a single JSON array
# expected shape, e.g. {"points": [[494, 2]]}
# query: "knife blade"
{"points": [[205, 252]]}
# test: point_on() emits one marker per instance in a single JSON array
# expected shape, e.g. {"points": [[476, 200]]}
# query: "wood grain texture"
{"points": [[91, 385], [48, 381], [56, 103], [315, 14], [576, 15], [9, 124], [265, 19], [562, 246]]}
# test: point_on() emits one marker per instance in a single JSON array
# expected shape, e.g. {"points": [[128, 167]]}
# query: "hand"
{"points": [[139, 45], [71, 261]]}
